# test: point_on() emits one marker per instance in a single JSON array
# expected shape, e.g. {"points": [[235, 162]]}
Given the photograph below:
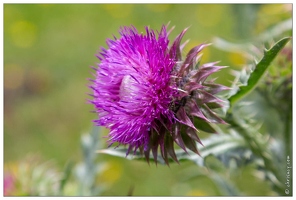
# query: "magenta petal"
{"points": [[133, 85]]}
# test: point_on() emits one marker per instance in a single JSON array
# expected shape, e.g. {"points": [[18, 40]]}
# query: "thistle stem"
{"points": [[257, 149]]}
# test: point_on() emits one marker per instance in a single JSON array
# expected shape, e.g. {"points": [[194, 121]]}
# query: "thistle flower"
{"points": [[149, 97]]}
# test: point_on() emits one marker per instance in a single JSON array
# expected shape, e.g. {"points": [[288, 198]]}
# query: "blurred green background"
{"points": [[48, 51]]}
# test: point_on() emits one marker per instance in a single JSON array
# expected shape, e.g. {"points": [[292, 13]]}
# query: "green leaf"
{"points": [[276, 30], [215, 145], [227, 187], [259, 71], [246, 48], [121, 152], [204, 126], [189, 143], [213, 164]]}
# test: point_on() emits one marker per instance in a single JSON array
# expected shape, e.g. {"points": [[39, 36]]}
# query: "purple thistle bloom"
{"points": [[148, 97]]}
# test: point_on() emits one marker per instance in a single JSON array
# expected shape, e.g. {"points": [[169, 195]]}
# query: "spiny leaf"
{"points": [[190, 143], [213, 105], [163, 151], [246, 48], [195, 110], [204, 126], [259, 71], [176, 46], [189, 61], [192, 133], [183, 118], [154, 145], [177, 137], [211, 115], [214, 88], [121, 152], [169, 145], [213, 145]]}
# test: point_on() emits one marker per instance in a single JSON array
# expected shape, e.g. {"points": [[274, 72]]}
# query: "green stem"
{"points": [[257, 149], [288, 131]]}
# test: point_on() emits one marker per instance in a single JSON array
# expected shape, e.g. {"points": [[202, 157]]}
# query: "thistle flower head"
{"points": [[149, 97]]}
